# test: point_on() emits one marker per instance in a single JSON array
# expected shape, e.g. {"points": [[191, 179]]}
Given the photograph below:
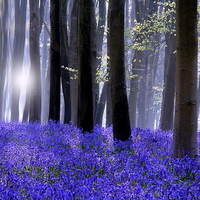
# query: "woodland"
{"points": [[99, 99]]}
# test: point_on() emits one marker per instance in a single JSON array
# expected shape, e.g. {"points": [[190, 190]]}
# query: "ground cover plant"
{"points": [[58, 161]]}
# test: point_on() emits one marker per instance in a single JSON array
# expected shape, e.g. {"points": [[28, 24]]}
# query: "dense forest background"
{"points": [[99, 99], [59, 58]]}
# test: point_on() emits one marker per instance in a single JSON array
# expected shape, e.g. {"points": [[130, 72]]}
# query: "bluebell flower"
{"points": [[58, 161]]}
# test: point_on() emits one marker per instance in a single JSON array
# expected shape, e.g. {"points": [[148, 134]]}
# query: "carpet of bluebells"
{"points": [[57, 161]]}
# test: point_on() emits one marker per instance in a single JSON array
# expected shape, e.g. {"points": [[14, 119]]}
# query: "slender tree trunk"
{"points": [[95, 86], [101, 105], [134, 89], [167, 111], [150, 116], [3, 54], [141, 102], [73, 62], [185, 128], [17, 57], [198, 96], [35, 87], [145, 8], [85, 83], [55, 68], [136, 70], [42, 12], [64, 62], [45, 66], [151, 69], [150, 84], [120, 112], [133, 81], [108, 105], [100, 37]]}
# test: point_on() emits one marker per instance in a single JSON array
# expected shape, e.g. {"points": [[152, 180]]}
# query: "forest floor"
{"points": [[58, 161]]}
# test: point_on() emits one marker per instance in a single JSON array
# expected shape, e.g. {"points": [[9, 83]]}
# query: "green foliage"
{"points": [[101, 71], [74, 72], [143, 34], [132, 76]]}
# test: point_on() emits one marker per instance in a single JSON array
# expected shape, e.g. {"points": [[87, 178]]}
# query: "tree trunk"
{"points": [[101, 105], [100, 37], [149, 96], [42, 11], [136, 70], [134, 89], [108, 105], [64, 62], [152, 73], [141, 102], [35, 87], [45, 66], [185, 128], [55, 68], [95, 86], [120, 113], [167, 111], [3, 54], [133, 81], [85, 83], [17, 57], [73, 62]]}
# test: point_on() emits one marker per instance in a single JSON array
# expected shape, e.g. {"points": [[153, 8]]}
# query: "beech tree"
{"points": [[64, 61], [73, 61], [108, 88], [99, 105], [167, 110], [85, 83], [120, 113], [18, 55], [4, 48], [185, 128], [35, 86], [55, 68]]}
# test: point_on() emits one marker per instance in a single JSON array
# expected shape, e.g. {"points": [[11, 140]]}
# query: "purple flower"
{"points": [[58, 161]]}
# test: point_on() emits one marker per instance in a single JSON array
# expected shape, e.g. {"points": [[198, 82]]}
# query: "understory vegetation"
{"points": [[58, 161]]}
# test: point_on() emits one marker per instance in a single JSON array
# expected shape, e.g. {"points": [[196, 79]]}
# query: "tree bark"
{"points": [[108, 91], [100, 37], [17, 57], [120, 112], [142, 89], [134, 89], [185, 128], [42, 11], [95, 86], [85, 83], [45, 65], [3, 54], [101, 105], [64, 62], [151, 78], [35, 86], [137, 61], [55, 68], [73, 62], [167, 111]]}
